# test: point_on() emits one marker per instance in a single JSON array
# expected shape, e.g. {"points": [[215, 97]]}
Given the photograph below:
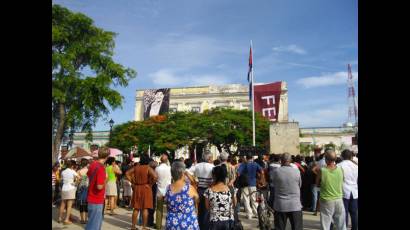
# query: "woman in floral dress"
{"points": [[182, 201]]}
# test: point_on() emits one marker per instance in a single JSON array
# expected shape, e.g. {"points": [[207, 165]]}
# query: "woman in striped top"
{"points": [[54, 181]]}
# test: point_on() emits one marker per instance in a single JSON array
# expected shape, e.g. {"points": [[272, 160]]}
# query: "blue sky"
{"points": [[308, 44]]}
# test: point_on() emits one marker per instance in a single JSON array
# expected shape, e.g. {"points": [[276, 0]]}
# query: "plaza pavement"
{"points": [[123, 221]]}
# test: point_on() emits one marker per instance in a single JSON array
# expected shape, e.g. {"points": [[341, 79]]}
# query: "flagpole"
{"points": [[253, 104]]}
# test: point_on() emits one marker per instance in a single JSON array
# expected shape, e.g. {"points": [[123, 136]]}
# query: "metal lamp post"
{"points": [[71, 137], [111, 122]]}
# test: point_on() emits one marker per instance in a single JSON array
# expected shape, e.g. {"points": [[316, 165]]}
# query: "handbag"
{"points": [[242, 180]]}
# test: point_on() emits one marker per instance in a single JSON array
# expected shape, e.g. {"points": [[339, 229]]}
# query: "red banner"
{"points": [[267, 99]]}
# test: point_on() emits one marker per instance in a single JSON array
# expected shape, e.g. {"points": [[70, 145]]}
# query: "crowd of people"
{"points": [[210, 194]]}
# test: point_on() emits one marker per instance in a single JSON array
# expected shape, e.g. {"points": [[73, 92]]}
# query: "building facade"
{"points": [[284, 137], [201, 98], [342, 137], [100, 138]]}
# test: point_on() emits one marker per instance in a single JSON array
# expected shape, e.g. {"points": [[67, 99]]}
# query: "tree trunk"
{"points": [[59, 134]]}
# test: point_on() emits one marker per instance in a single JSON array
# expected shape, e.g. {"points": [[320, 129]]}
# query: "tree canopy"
{"points": [[83, 73], [220, 127]]}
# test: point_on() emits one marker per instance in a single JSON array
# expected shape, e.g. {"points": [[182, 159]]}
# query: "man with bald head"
{"points": [[164, 179], [287, 183], [330, 180]]}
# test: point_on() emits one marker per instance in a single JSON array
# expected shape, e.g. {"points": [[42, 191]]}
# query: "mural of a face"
{"points": [[159, 96]]}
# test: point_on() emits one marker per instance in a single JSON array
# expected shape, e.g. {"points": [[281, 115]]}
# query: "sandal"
{"points": [[67, 222]]}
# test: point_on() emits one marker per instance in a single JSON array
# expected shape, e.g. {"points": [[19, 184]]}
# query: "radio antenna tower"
{"points": [[351, 97]]}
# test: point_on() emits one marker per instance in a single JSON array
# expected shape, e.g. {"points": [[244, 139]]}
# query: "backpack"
{"points": [[242, 180]]}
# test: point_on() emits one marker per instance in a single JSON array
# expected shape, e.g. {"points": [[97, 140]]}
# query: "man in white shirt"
{"points": [[164, 179], [203, 171], [355, 159], [350, 187]]}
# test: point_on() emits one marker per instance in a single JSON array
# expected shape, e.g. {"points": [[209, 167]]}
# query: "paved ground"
{"points": [[123, 221]]}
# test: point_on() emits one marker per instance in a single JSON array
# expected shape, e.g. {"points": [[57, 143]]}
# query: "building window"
{"points": [[196, 109]]}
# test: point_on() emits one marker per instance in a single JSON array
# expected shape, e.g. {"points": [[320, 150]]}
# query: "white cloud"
{"points": [[328, 79], [171, 78], [208, 80], [333, 115], [304, 65], [290, 48], [180, 60], [191, 51], [165, 77]]}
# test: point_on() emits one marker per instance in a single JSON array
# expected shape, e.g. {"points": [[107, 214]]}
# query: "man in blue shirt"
{"points": [[251, 169]]}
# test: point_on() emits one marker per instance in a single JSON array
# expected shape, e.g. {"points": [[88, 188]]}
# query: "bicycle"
{"points": [[264, 211]]}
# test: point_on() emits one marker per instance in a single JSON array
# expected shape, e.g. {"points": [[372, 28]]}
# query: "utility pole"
{"points": [[352, 114]]}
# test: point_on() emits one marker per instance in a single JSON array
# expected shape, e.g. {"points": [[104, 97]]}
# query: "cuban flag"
{"points": [[249, 73]]}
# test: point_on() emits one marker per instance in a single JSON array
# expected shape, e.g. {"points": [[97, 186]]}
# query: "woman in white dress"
{"points": [[69, 177]]}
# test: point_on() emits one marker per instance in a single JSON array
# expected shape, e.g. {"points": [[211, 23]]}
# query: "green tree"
{"points": [[330, 145], [228, 127], [342, 147], [83, 73], [221, 127], [306, 149]]}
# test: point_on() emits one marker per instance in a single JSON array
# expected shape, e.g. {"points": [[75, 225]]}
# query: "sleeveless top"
{"points": [[110, 173], [220, 205], [181, 210], [331, 184], [84, 180], [142, 190]]}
